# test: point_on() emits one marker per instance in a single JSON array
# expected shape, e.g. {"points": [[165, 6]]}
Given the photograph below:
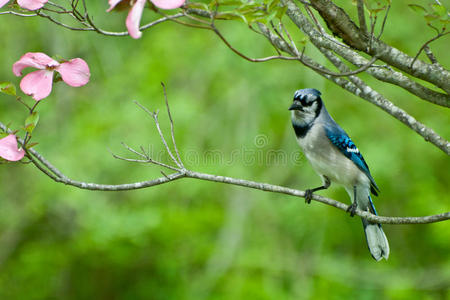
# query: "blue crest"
{"points": [[305, 92]]}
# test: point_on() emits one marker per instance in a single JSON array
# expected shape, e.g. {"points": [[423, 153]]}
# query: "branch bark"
{"points": [[357, 87], [51, 171], [341, 25], [383, 74]]}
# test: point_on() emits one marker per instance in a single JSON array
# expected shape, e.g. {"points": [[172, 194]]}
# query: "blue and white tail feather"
{"points": [[335, 157], [375, 237]]}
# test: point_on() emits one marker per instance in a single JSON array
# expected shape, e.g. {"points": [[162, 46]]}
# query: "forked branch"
{"points": [[179, 171]]}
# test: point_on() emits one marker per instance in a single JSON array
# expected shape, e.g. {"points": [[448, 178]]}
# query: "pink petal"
{"points": [[8, 148], [36, 60], [134, 18], [74, 72], [168, 4], [37, 84], [3, 2], [31, 4], [112, 4]]}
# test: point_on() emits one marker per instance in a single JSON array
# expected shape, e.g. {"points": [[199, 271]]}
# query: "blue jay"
{"points": [[335, 158]]}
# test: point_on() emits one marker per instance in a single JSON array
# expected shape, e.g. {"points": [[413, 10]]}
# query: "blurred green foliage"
{"points": [[199, 240]]}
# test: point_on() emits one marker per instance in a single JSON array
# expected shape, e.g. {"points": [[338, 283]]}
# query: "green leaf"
{"points": [[281, 11], [418, 8], [273, 4], [31, 121], [431, 17], [8, 88], [271, 16], [198, 5], [230, 3], [439, 9], [31, 145]]}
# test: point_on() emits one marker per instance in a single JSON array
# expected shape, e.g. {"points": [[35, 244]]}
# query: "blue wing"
{"points": [[342, 141]]}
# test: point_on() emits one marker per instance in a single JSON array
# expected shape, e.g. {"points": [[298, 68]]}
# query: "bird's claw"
{"points": [[308, 196], [352, 209]]}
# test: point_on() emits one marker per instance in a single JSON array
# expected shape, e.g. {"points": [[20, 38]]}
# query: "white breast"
{"points": [[327, 160]]}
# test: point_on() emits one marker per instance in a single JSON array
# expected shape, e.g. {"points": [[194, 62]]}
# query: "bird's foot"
{"points": [[352, 209], [308, 196]]}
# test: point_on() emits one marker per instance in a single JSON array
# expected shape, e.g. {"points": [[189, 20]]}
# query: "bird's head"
{"points": [[306, 106]]}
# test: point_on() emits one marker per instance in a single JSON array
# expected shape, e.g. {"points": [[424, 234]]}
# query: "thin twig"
{"points": [[298, 58], [171, 126], [292, 43], [147, 160], [426, 44], [384, 22], [9, 12], [373, 22], [361, 89], [430, 54], [154, 115], [134, 151], [361, 16]]}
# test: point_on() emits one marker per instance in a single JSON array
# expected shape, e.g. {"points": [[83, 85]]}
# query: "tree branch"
{"points": [[361, 17], [361, 89], [383, 74], [433, 59], [367, 93], [341, 25], [49, 170]]}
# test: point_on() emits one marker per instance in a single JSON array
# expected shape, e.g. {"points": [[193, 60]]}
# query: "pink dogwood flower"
{"points": [[8, 148], [27, 4], [135, 13], [38, 84]]}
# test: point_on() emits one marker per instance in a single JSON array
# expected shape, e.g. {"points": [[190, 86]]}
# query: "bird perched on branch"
{"points": [[336, 159]]}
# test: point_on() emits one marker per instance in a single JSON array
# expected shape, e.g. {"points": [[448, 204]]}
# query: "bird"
{"points": [[336, 159]]}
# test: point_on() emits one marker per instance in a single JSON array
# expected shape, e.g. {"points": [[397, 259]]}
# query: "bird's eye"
{"points": [[301, 99], [307, 103]]}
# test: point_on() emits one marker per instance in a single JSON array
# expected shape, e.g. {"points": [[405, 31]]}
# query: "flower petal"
{"points": [[74, 72], [36, 60], [3, 2], [31, 4], [112, 4], [8, 148], [134, 18], [168, 4], [37, 84]]}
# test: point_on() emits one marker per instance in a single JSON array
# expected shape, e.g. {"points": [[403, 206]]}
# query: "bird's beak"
{"points": [[296, 106]]}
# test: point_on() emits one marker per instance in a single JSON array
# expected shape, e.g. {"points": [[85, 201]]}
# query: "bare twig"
{"points": [[171, 126], [86, 21], [10, 12], [373, 22], [292, 43], [341, 24], [147, 160], [430, 54], [154, 115], [361, 16], [426, 45], [384, 21], [299, 57], [143, 155], [361, 89]]}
